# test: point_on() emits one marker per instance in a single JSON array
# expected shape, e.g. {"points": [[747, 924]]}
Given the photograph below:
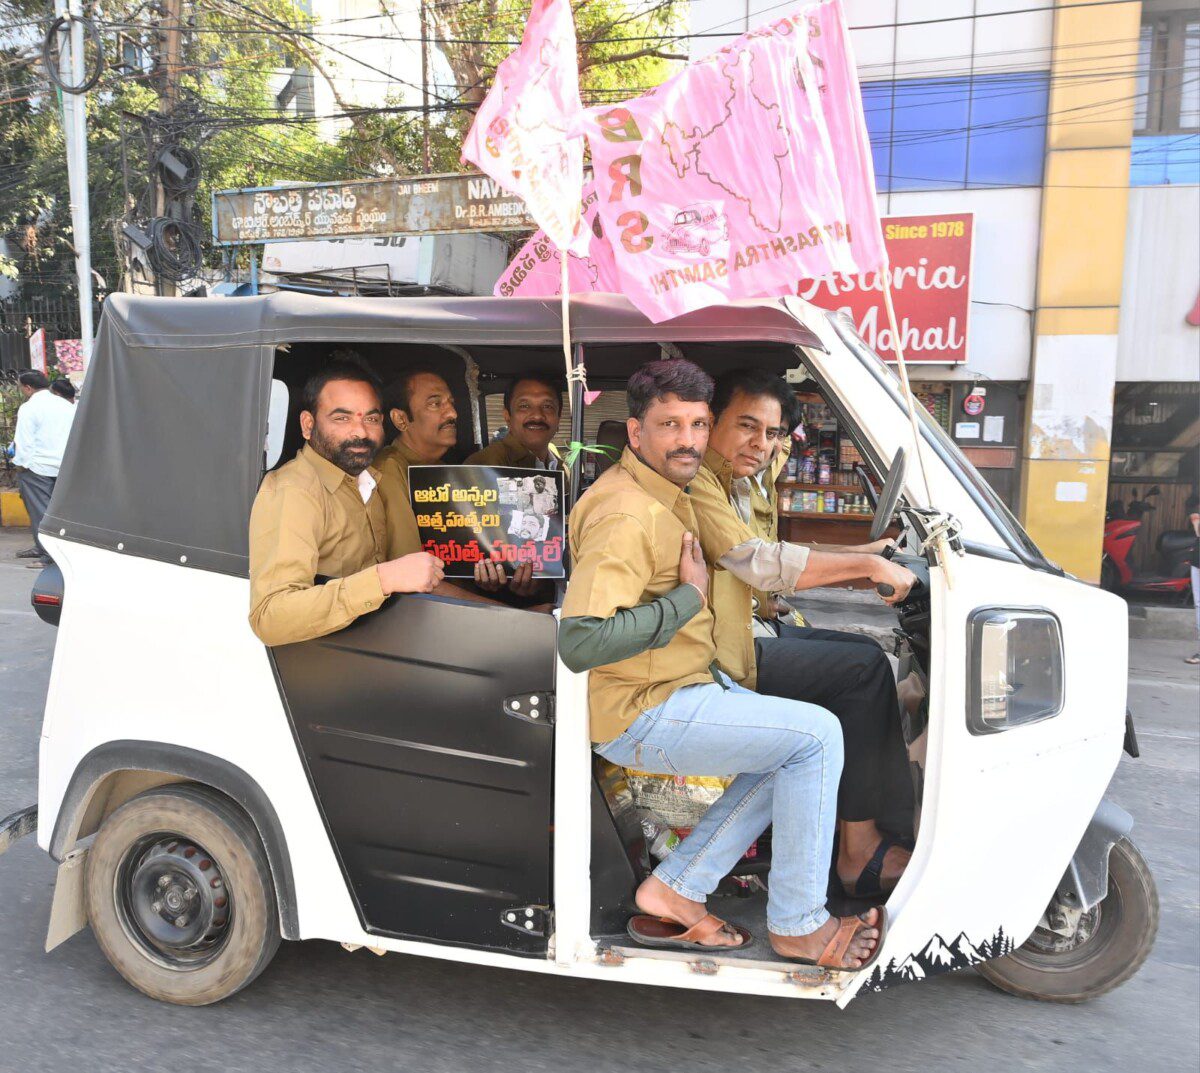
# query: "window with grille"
{"points": [[1168, 74]]}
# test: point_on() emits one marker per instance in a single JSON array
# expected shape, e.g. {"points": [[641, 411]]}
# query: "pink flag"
{"points": [[536, 270], [520, 134], [743, 174]]}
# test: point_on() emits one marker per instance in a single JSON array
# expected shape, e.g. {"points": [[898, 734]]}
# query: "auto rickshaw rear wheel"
{"points": [[1103, 947], [180, 897]]}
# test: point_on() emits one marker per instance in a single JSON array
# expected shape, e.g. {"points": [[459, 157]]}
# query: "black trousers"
{"points": [[850, 676], [36, 491]]}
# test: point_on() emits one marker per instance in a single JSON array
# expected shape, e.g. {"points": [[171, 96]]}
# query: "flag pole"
{"points": [[566, 327], [940, 541]]}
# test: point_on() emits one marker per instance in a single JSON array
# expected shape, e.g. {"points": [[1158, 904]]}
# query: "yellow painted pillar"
{"points": [[1064, 473]]}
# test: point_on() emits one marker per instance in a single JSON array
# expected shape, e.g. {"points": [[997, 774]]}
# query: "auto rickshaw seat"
{"points": [[611, 434]]}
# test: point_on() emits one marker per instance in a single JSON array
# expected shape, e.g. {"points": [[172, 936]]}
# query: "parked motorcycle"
{"points": [[1171, 575]]}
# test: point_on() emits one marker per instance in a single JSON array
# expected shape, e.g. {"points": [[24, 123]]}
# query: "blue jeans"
{"points": [[1196, 595], [787, 757]]}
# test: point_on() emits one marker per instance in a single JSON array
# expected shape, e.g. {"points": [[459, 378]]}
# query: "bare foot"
{"points": [[812, 946], [656, 899]]}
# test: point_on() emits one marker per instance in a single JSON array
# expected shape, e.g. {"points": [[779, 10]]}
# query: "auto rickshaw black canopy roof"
{"points": [[166, 452]]}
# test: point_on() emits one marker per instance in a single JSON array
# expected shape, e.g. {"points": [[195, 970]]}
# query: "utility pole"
{"points": [[74, 109], [170, 38], [425, 89]]}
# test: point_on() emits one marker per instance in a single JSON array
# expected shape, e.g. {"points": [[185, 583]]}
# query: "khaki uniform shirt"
{"points": [[764, 516], [309, 519], [509, 451], [731, 599], [392, 462], [744, 562], [626, 538]]}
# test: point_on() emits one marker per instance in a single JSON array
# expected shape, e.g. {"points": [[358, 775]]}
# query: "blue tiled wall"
{"points": [[957, 133], [1165, 160]]}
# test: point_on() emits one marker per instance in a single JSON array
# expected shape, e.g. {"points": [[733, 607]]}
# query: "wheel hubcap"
{"points": [[1045, 941], [173, 902]]}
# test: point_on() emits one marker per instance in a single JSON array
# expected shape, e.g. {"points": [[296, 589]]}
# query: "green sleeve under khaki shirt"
{"points": [[626, 536]]}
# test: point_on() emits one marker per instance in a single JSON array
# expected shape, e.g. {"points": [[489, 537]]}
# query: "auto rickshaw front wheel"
{"points": [[1086, 954], [180, 897]]}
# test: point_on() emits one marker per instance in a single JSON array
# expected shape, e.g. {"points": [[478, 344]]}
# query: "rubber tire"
{"points": [[1110, 577], [1125, 940], [229, 836]]}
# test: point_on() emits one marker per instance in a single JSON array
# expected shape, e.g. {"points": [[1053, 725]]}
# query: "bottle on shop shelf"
{"points": [[807, 468], [820, 509], [823, 473], [785, 500]]}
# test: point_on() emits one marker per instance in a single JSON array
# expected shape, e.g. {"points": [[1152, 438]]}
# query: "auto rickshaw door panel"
{"points": [[427, 732]]}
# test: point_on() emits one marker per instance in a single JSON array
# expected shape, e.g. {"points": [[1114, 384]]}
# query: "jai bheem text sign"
{"points": [[931, 287]]}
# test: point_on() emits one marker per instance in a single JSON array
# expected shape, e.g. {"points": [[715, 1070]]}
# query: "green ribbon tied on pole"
{"points": [[575, 448]]}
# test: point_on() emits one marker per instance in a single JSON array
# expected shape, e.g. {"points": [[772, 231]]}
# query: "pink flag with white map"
{"points": [[745, 173], [536, 270], [522, 135]]}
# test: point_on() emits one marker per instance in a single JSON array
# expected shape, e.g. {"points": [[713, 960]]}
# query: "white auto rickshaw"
{"points": [[422, 781]]}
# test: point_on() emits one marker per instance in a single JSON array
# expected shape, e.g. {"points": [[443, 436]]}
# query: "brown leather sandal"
{"points": [[835, 950], [671, 935]]}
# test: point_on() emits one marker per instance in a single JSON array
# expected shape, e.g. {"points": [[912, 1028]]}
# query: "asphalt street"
{"points": [[319, 1008]]}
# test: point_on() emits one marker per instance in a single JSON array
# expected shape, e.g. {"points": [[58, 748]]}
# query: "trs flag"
{"points": [[745, 173], [536, 270], [520, 134]]}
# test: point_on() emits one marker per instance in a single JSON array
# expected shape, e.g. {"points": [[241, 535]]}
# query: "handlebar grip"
{"points": [[885, 589]]}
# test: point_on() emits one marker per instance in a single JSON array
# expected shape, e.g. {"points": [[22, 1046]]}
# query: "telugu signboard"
{"points": [[931, 287], [426, 204], [466, 514]]}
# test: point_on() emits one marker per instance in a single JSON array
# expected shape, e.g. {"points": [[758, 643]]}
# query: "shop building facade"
{"points": [[1069, 136]]}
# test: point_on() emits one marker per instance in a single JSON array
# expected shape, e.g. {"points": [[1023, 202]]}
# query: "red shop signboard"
{"points": [[931, 272]]}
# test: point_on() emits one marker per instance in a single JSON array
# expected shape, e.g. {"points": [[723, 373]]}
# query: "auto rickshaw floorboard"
{"points": [[751, 914]]}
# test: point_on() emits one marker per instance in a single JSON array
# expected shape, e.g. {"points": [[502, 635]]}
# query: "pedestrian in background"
{"points": [[64, 389], [1193, 516], [43, 425]]}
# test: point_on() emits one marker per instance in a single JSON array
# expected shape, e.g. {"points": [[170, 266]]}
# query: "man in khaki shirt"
{"points": [[421, 407], [636, 616], [532, 411], [320, 514], [846, 673]]}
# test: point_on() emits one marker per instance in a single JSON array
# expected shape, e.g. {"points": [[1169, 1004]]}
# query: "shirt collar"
{"points": [[523, 456], [721, 468], [331, 475], [408, 454], [517, 452], [666, 492]]}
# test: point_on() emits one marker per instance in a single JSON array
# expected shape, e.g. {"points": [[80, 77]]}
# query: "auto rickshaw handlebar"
{"points": [[920, 570]]}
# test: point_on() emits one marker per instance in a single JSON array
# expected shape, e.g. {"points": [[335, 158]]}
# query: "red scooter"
{"points": [[1174, 558]]}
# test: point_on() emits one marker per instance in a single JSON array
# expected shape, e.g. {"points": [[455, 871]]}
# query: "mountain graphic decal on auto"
{"points": [[936, 957]]}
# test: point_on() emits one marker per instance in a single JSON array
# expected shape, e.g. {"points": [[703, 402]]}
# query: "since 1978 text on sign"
{"points": [[931, 288]]}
